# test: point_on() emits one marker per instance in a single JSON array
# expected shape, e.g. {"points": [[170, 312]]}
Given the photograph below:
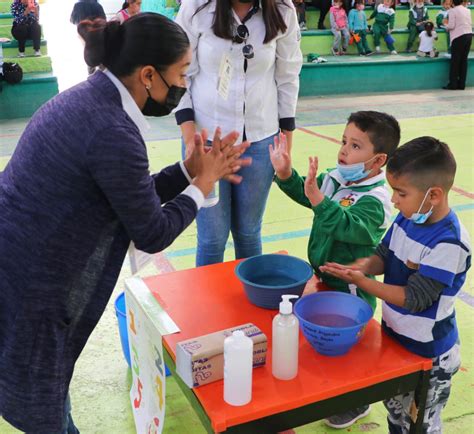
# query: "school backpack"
{"points": [[12, 72]]}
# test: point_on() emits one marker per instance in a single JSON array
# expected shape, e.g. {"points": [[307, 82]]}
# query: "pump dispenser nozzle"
{"points": [[285, 305]]}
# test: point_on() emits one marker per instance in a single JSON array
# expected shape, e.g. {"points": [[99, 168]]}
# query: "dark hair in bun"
{"points": [[144, 39]]}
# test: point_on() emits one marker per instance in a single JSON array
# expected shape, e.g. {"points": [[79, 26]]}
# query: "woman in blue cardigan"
{"points": [[76, 191]]}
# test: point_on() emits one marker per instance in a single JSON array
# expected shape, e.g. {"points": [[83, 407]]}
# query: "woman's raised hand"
{"points": [[221, 160]]}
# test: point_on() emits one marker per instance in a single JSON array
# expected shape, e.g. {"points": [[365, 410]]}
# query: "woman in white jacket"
{"points": [[244, 77]]}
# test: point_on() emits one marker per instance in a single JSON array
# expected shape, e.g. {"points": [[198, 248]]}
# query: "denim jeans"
{"points": [[239, 210]]}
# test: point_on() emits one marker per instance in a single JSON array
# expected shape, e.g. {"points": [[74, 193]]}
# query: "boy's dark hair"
{"points": [[359, 2], [426, 161], [383, 130]]}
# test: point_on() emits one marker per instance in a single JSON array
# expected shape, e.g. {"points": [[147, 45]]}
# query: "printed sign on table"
{"points": [[147, 394]]}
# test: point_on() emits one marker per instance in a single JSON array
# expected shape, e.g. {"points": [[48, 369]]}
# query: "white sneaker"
{"points": [[447, 55], [37, 53], [20, 54], [393, 52], [377, 49], [303, 26]]}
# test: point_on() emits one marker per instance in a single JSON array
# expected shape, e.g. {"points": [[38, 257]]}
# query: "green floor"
{"points": [[100, 387]]}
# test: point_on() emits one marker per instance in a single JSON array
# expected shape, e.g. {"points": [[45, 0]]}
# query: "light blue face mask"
{"points": [[420, 218], [353, 172]]}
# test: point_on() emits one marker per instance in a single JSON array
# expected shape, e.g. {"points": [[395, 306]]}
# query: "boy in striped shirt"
{"points": [[424, 257]]}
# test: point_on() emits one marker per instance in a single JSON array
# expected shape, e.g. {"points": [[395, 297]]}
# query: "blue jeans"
{"points": [[240, 210]]}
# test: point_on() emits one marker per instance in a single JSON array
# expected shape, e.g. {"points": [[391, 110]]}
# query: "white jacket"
{"points": [[258, 98]]}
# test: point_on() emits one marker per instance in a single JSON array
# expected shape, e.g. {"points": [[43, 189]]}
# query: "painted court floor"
{"points": [[100, 387]]}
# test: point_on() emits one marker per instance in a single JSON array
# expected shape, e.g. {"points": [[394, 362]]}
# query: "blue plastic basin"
{"points": [[267, 277], [332, 322], [120, 311]]}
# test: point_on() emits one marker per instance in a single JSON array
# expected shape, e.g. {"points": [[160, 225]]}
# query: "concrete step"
{"points": [[377, 73], [10, 49], [23, 99], [32, 64], [320, 42]]}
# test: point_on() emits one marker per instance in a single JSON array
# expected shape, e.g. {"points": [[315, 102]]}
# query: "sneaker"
{"points": [[368, 53], [393, 52], [335, 52], [344, 420], [377, 50], [303, 26], [20, 54], [37, 53], [344, 51], [447, 55]]}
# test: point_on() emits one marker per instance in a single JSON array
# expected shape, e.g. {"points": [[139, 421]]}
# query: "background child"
{"points": [[424, 257], [417, 17], [338, 18], [351, 203], [443, 15], [358, 26], [129, 9], [384, 16], [301, 12], [427, 40]]}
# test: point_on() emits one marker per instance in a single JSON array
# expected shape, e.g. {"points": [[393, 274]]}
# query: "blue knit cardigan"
{"points": [[75, 192]]}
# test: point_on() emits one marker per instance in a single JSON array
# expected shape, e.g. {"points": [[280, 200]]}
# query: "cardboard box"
{"points": [[201, 360]]}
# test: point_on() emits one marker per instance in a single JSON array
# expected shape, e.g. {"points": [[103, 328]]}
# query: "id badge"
{"points": [[225, 76]]}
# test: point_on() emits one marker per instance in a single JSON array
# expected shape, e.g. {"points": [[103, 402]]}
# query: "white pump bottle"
{"points": [[285, 345]]}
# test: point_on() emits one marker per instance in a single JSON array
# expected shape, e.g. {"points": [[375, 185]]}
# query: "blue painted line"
{"points": [[467, 298], [289, 235]]}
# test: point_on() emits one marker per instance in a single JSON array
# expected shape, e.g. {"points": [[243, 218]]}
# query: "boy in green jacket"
{"points": [[384, 16], [417, 17], [351, 203]]}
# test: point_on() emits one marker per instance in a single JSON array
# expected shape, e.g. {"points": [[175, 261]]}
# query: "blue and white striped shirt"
{"points": [[440, 251]]}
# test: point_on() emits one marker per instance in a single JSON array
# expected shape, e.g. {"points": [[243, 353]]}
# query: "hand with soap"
{"points": [[225, 144], [280, 157], [221, 161], [311, 189]]}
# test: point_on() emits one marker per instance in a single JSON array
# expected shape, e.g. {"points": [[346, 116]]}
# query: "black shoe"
{"points": [[449, 88], [321, 26], [368, 53], [348, 418]]}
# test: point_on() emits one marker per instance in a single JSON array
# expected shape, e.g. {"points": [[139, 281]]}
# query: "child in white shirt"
{"points": [[427, 40]]}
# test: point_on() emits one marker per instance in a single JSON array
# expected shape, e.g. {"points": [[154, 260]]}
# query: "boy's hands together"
{"points": [[311, 189], [280, 157], [347, 273]]}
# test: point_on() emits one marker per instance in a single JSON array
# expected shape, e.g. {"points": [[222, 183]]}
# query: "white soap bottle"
{"points": [[238, 366], [285, 345]]}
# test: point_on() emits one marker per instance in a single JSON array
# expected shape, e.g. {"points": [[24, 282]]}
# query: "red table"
{"points": [[206, 299]]}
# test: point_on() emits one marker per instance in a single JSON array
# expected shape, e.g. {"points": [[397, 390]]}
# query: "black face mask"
{"points": [[154, 108]]}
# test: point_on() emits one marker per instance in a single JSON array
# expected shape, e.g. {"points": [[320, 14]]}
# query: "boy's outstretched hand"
{"points": [[311, 189], [280, 157], [348, 273]]}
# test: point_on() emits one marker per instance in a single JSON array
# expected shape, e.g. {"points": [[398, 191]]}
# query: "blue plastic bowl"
{"points": [[121, 312], [267, 277], [332, 322]]}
